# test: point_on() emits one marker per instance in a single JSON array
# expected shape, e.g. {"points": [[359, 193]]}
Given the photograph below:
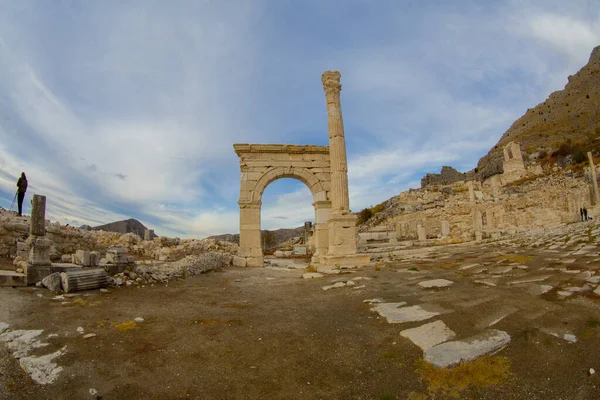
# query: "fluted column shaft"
{"points": [[337, 143]]}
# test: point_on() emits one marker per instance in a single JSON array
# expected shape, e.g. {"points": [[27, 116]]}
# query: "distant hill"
{"points": [[126, 226], [280, 235], [568, 117]]}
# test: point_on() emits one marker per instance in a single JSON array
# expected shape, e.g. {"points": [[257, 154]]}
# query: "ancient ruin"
{"points": [[323, 169]]}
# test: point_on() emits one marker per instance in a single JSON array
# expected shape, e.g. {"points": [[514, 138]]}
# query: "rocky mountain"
{"points": [[567, 117], [126, 226], [275, 237]]}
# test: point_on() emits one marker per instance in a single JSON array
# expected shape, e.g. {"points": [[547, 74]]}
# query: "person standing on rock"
{"points": [[585, 217], [581, 213], [22, 188]]}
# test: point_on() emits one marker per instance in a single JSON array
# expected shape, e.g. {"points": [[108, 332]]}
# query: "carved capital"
{"points": [[250, 204], [332, 85]]}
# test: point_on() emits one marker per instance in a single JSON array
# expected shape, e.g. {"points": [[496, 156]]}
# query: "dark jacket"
{"points": [[22, 185]]}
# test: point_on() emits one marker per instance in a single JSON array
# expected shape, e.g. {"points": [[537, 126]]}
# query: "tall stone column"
{"points": [[593, 176], [38, 260], [342, 223]]}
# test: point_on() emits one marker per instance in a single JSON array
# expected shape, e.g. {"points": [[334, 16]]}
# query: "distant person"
{"points": [[585, 217], [581, 213], [22, 188]]}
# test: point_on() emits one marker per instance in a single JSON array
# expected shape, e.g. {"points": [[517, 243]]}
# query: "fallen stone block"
{"points": [[429, 335], [435, 283], [53, 282], [451, 353]]}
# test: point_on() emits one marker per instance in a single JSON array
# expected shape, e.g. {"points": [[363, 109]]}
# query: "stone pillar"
{"points": [[38, 247], [38, 216], [593, 176], [342, 223], [148, 234], [307, 228], [250, 253], [421, 232], [445, 228], [321, 229]]}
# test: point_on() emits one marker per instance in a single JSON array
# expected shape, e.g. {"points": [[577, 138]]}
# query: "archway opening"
{"points": [[287, 207]]}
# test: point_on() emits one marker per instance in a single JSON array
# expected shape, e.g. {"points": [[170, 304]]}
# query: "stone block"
{"points": [[10, 278], [61, 267], [239, 261], [39, 250], [82, 257], [94, 259], [38, 215], [53, 282], [35, 273]]}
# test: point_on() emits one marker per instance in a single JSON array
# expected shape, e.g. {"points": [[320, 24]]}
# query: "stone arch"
{"points": [[302, 174], [262, 164]]}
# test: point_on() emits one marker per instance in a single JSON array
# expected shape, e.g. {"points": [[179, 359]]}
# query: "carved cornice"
{"points": [[242, 148]]}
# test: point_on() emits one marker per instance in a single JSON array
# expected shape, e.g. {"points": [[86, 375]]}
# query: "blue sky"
{"points": [[119, 109]]}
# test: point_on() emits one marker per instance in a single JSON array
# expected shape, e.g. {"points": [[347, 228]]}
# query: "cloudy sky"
{"points": [[129, 108]]}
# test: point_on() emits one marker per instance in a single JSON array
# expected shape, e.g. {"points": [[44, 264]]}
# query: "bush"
{"points": [[578, 156], [364, 216]]}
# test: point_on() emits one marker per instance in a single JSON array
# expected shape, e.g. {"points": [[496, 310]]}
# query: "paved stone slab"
{"points": [[451, 353], [429, 335], [501, 270], [538, 290], [597, 291], [312, 275], [396, 314], [468, 266], [435, 283], [530, 280]]}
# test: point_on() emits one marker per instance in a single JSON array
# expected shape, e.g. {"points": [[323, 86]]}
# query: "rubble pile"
{"points": [[190, 265]]}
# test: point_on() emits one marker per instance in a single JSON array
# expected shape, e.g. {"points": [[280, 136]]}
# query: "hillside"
{"points": [[569, 116], [126, 226], [279, 236]]}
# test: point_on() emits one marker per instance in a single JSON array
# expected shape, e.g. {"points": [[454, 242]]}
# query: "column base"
{"points": [[248, 261], [345, 260]]}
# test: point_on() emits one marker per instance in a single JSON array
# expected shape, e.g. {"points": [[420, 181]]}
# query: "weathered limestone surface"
{"points": [[342, 223]]}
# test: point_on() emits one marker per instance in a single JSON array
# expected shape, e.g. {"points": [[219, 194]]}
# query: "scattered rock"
{"points": [[334, 286], [139, 319], [79, 329], [89, 335], [570, 338]]}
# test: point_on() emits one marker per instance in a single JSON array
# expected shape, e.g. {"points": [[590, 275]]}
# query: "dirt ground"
{"points": [[250, 333]]}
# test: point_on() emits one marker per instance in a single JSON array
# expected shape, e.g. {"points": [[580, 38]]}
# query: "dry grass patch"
{"points": [[125, 326], [451, 382], [515, 258]]}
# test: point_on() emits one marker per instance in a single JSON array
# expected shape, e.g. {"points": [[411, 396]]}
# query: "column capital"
{"points": [[331, 84], [322, 204], [250, 204]]}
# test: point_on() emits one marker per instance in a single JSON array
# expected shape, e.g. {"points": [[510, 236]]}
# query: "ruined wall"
{"points": [[492, 209], [67, 240], [446, 176]]}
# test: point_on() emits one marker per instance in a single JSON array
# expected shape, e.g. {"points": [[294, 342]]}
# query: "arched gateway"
{"points": [[325, 174], [262, 164]]}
